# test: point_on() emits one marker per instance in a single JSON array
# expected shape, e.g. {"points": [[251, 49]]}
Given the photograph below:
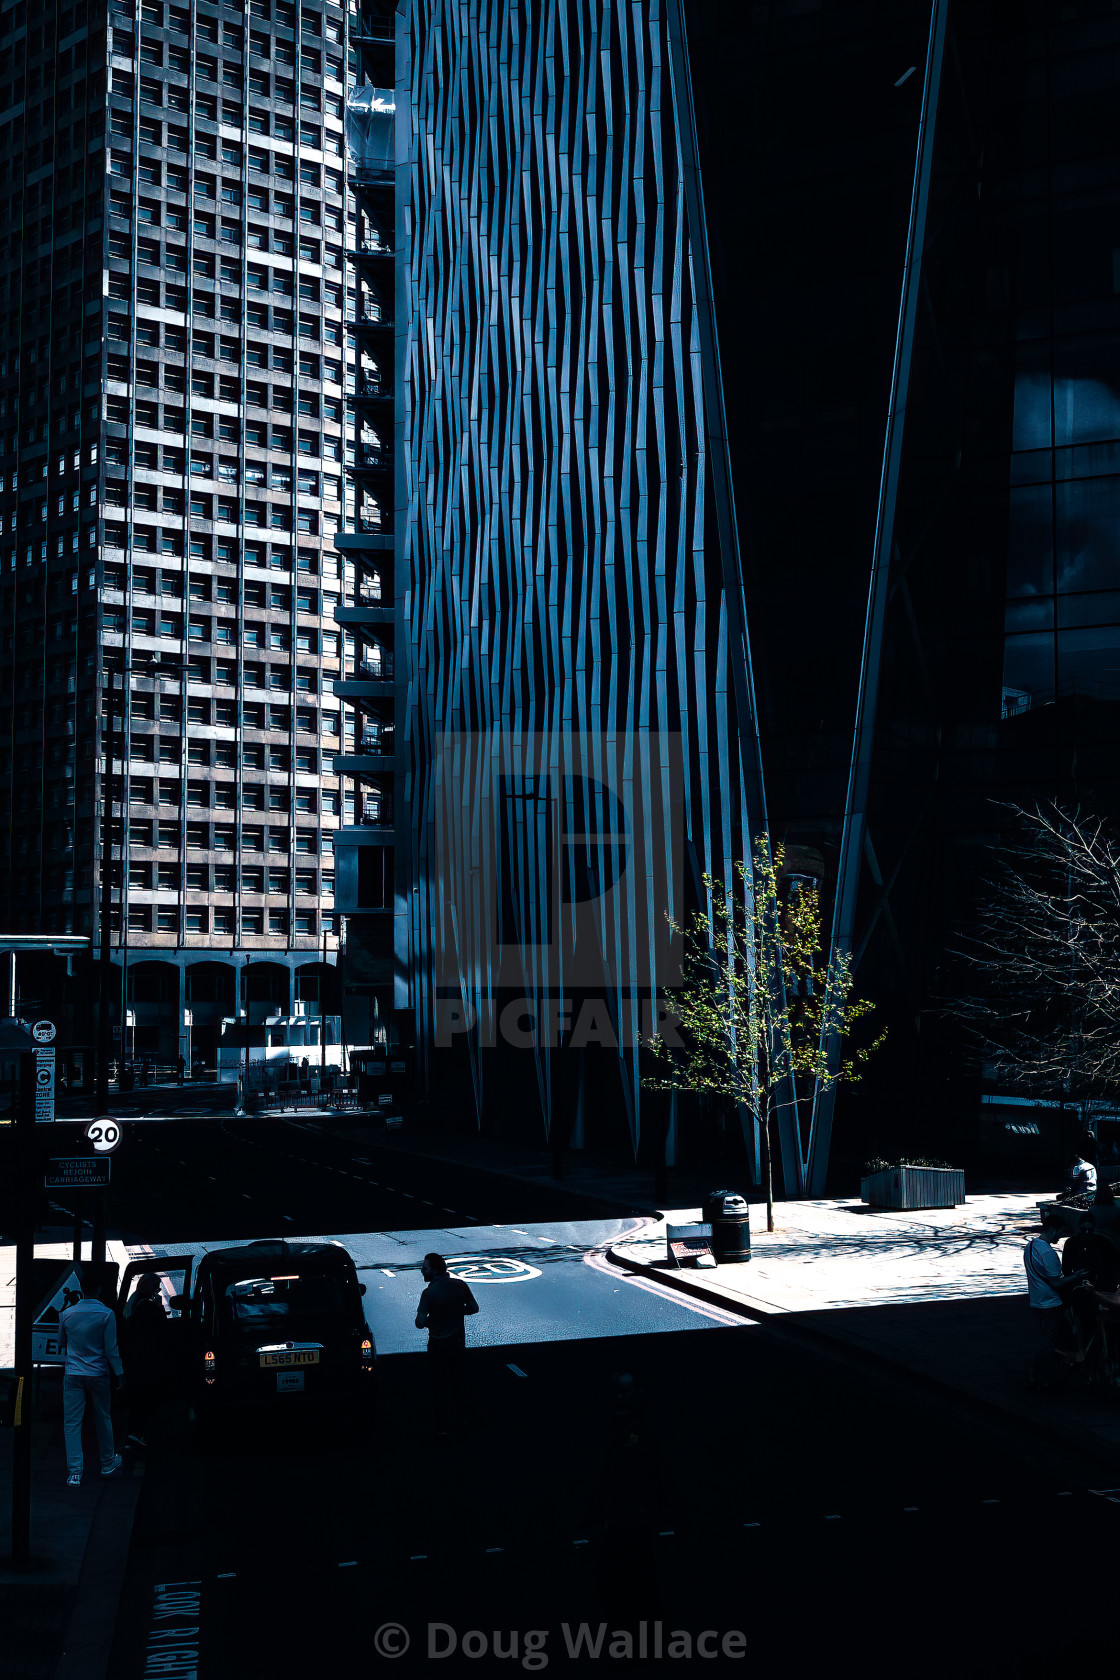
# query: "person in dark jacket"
{"points": [[444, 1307], [145, 1345]]}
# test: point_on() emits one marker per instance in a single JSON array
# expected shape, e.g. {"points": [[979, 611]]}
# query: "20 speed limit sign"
{"points": [[104, 1133]]}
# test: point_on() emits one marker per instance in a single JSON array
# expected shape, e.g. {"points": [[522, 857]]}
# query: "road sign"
{"points": [[63, 1293], [104, 1133], [474, 1269], [77, 1172], [44, 1084], [43, 1032]]}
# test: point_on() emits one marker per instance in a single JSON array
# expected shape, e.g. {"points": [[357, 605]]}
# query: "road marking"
{"points": [[909, 1507], [419, 1557], [752, 1525], [579, 1542], [517, 1371], [387, 1273], [288, 1217], [835, 1517], [989, 1502], [245, 1196], [490, 1549], [667, 1533], [352, 1564], [230, 1576]]}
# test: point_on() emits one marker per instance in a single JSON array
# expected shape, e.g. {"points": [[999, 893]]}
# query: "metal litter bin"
{"points": [[730, 1219]]}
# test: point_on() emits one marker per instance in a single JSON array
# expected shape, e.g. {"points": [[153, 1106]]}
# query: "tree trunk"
{"points": [[767, 1168]]}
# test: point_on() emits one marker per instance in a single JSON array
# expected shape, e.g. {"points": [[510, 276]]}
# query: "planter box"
{"points": [[914, 1187]]}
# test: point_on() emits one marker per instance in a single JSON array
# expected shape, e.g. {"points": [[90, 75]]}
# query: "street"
{"points": [[751, 1487]]}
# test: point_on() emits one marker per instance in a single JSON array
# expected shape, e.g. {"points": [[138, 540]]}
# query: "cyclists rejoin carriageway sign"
{"points": [[77, 1172]]}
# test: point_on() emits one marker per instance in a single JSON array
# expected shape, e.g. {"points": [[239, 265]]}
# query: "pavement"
{"points": [[57, 1617], [937, 1295]]}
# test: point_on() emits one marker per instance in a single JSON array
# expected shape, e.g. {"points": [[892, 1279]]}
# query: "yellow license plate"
{"points": [[294, 1356]]}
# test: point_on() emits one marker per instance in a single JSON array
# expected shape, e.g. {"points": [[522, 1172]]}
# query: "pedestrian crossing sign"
{"points": [[45, 1348]]}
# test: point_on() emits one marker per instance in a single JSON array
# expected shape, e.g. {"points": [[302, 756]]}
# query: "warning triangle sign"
{"points": [[62, 1294]]}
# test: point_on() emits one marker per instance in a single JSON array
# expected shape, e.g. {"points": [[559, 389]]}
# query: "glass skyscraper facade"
{"points": [[569, 229]]}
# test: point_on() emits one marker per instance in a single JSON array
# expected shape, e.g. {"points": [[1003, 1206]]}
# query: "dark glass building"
{"points": [[796, 320]]}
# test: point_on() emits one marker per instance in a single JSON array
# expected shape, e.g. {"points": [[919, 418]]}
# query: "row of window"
{"points": [[207, 147], [223, 714], [143, 791], [222, 878], [204, 587], [178, 19], [222, 673], [222, 837], [142, 918], [147, 497], [223, 632], [176, 217], [151, 749], [155, 174], [224, 427], [277, 558]]}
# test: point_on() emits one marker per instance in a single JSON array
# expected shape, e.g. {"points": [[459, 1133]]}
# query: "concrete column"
{"points": [[184, 1032]]}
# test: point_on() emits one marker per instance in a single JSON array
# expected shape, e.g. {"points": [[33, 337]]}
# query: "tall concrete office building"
{"points": [[173, 347]]}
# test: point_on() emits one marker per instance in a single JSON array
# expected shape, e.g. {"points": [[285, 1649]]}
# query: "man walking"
{"points": [[1045, 1284], [88, 1340], [444, 1307]]}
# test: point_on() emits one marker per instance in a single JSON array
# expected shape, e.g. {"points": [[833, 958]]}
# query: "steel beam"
{"points": [[863, 735]]}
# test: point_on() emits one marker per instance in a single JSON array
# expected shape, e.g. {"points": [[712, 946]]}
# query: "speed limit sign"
{"points": [[104, 1133]]}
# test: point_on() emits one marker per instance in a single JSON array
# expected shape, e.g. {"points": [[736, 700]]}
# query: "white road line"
{"points": [[230, 1576], [387, 1272], [517, 1371], [491, 1549], [419, 1557], [351, 1564], [288, 1217]]}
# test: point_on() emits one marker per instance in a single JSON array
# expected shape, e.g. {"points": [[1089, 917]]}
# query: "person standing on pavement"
{"points": [[88, 1342], [1082, 1177], [444, 1307], [145, 1334], [180, 1069], [1045, 1283]]}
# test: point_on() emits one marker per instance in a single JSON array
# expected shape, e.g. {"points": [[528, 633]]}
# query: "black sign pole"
{"points": [[97, 1226], [28, 1201]]}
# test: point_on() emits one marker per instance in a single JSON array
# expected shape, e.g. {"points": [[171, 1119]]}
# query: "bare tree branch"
{"points": [[1039, 987]]}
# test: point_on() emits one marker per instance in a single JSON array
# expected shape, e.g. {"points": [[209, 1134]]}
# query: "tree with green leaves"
{"points": [[756, 1008]]}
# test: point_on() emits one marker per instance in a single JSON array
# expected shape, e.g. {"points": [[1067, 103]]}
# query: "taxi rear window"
{"points": [[274, 1300]]}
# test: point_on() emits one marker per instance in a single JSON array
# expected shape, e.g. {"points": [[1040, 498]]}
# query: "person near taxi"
{"points": [[88, 1341], [444, 1307], [145, 1337]]}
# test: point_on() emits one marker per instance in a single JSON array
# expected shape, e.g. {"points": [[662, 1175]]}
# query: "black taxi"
{"points": [[273, 1324]]}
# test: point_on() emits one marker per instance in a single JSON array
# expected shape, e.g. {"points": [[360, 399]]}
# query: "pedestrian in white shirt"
{"points": [[1044, 1285], [88, 1339]]}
